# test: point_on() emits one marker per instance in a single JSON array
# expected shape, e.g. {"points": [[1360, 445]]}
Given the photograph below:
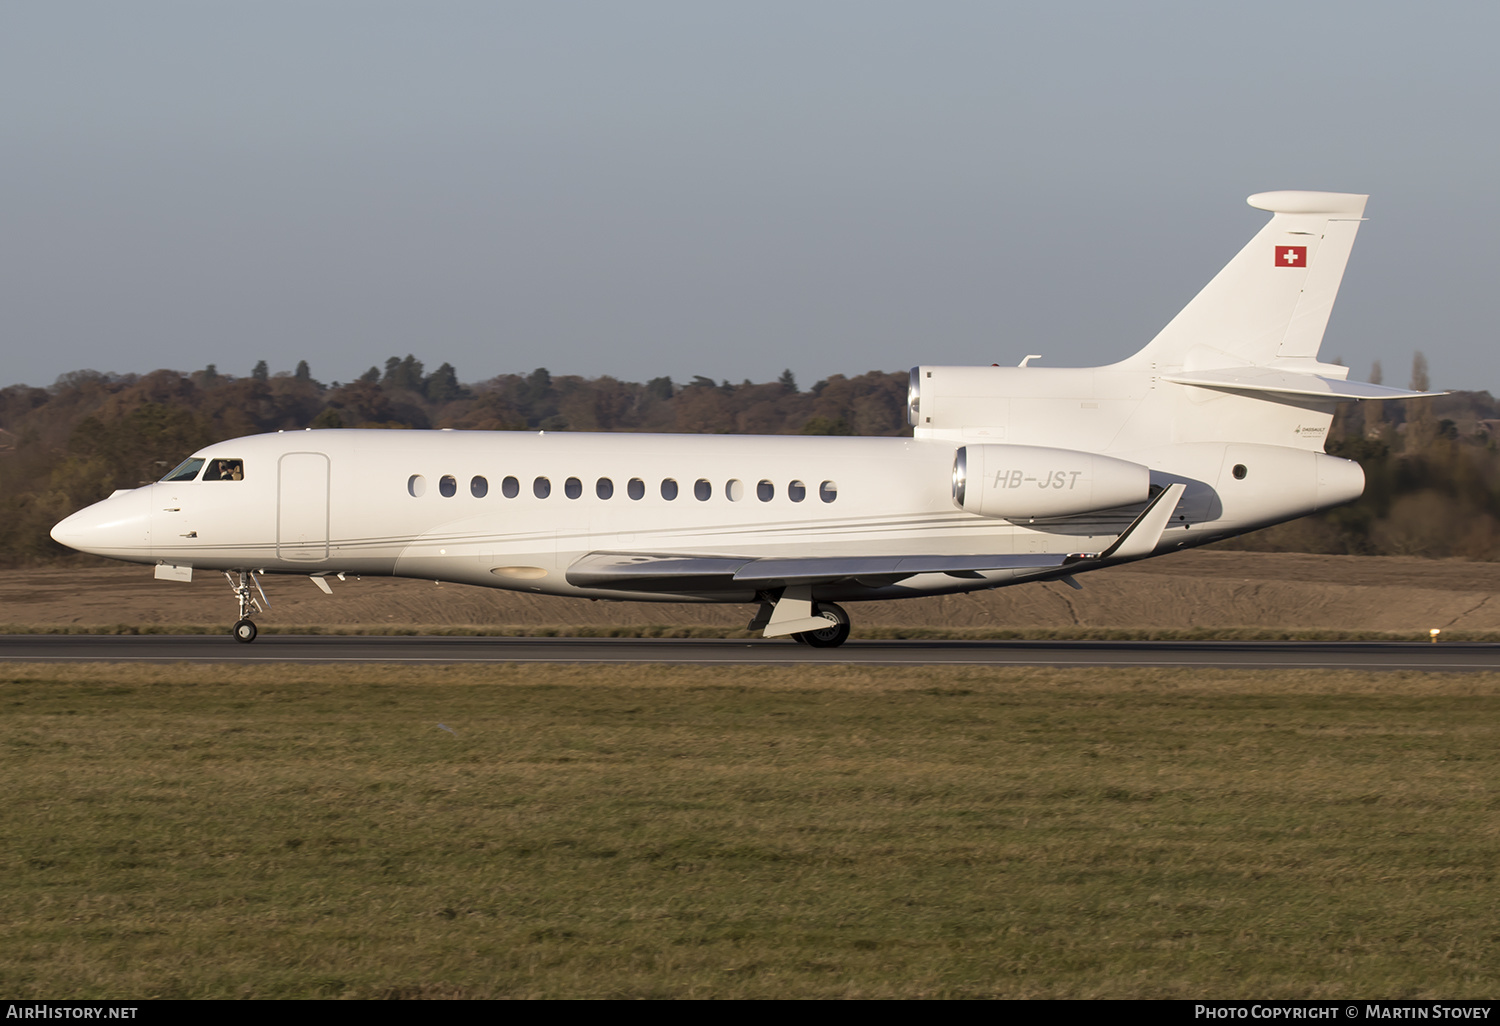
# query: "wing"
{"points": [[679, 573], [670, 572]]}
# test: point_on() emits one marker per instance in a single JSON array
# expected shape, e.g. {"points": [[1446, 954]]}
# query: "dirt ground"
{"points": [[1201, 589]]}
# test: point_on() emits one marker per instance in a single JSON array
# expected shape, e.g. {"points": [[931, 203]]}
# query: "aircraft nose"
{"points": [[118, 527]]}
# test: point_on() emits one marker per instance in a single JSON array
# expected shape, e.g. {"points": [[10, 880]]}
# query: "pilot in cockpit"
{"points": [[225, 470]]}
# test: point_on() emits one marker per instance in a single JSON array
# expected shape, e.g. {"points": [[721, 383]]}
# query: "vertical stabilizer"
{"points": [[1272, 301]]}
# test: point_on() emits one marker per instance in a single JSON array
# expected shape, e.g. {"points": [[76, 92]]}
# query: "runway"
{"points": [[277, 648]]}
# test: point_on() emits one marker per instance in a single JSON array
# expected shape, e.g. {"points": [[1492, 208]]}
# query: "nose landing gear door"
{"points": [[302, 507]]}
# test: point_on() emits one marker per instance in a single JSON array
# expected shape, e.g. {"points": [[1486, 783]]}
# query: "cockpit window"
{"points": [[224, 470], [186, 470]]}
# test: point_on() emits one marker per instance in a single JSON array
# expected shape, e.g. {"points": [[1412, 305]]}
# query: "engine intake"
{"points": [[1020, 482]]}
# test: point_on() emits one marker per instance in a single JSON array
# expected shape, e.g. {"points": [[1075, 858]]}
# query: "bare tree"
{"points": [[1420, 381], [1375, 411]]}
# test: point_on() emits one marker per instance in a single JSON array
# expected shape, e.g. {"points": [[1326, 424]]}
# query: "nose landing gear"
{"points": [[244, 628]]}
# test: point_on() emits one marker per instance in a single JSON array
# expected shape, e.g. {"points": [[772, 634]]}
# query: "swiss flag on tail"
{"points": [[1291, 256]]}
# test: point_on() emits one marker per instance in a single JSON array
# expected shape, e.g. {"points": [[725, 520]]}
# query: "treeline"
{"points": [[1432, 480], [1432, 483], [64, 447], [1432, 465]]}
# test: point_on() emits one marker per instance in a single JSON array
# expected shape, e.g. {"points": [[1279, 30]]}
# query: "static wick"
{"points": [[1435, 632], [449, 729]]}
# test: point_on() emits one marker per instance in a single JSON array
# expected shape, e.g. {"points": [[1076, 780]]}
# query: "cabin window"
{"points": [[636, 489], [185, 471], [447, 486], [702, 490], [765, 491], [416, 486], [828, 491], [572, 488], [479, 487], [224, 470], [796, 491], [510, 488], [541, 488], [604, 488], [734, 490], [669, 489]]}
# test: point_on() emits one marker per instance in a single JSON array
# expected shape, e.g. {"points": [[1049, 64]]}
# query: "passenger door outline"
{"points": [[302, 507]]}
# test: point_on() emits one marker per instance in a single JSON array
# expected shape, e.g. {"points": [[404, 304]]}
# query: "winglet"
{"points": [[1142, 536]]}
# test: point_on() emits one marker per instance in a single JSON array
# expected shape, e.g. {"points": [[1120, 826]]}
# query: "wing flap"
{"points": [[634, 571], [817, 568]]}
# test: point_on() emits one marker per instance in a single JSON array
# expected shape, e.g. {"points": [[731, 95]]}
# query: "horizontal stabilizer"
{"points": [[1275, 381]]}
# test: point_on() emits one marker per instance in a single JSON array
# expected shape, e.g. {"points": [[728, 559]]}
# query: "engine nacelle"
{"points": [[1018, 482]]}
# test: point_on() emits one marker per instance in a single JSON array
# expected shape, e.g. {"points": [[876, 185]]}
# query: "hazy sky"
{"points": [[648, 188]]}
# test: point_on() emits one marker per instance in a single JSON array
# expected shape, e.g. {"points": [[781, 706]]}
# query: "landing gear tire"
{"points": [[244, 630], [832, 636]]}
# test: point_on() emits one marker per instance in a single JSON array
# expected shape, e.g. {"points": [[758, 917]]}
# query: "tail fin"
{"points": [[1272, 301]]}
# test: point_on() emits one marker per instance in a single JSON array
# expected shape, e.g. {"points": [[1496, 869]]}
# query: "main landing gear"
{"points": [[832, 636], [792, 613], [244, 628]]}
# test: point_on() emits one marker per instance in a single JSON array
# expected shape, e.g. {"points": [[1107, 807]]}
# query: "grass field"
{"points": [[548, 831]]}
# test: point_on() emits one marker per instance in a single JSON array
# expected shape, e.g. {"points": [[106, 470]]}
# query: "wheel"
{"points": [[244, 630], [834, 634]]}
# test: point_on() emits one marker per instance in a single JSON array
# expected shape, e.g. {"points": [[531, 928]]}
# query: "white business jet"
{"points": [[1013, 474]]}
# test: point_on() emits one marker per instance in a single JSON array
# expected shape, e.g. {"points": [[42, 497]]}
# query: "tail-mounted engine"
{"points": [[1020, 482]]}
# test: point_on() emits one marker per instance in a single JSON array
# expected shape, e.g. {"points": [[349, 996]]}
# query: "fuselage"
{"points": [[515, 509]]}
